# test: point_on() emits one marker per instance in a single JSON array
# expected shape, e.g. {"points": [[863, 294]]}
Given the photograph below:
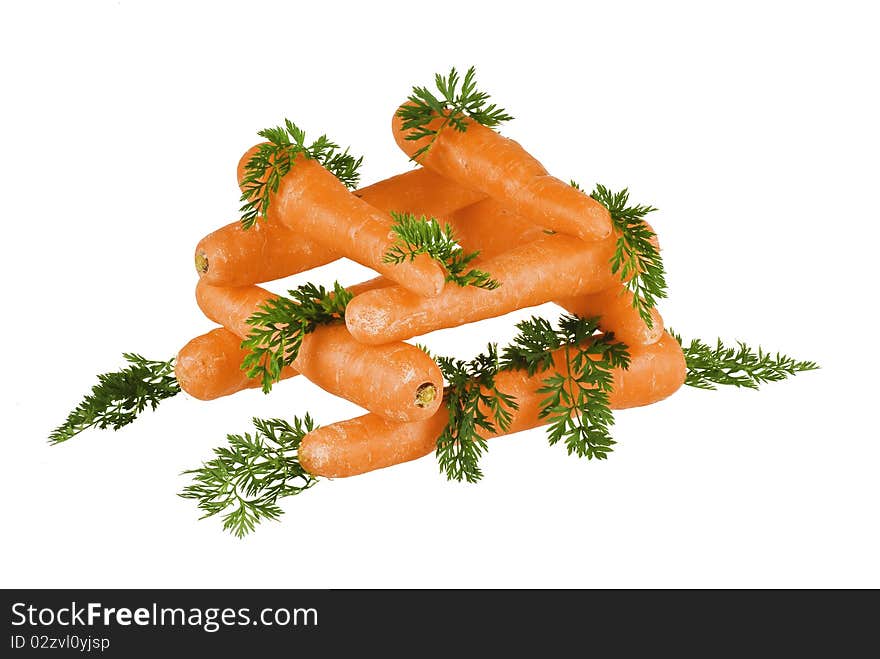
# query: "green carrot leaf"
{"points": [[424, 235], [471, 387], [274, 159], [281, 323], [576, 397], [736, 366], [251, 474], [458, 101], [636, 260], [119, 397]]}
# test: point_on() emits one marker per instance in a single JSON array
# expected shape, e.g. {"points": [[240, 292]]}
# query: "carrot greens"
{"points": [[425, 236], [577, 404], [454, 105], [471, 387], [636, 259], [252, 473], [737, 366], [281, 323], [275, 158], [119, 397]]}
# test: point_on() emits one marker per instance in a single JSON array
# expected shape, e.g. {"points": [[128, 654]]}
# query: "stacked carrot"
{"points": [[540, 239], [479, 229]]}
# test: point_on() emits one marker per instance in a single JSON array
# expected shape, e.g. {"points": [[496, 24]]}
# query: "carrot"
{"points": [[232, 256], [369, 285], [488, 226], [396, 380], [420, 191], [209, 366], [315, 203], [371, 442], [231, 307], [531, 274], [491, 228], [482, 160], [612, 306], [616, 313], [367, 443], [476, 227], [655, 372]]}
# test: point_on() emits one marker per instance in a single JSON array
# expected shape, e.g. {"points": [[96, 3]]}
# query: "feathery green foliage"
{"points": [[636, 260], [281, 323], [737, 366], [471, 385], [577, 395], [455, 104], [274, 160], [425, 236], [120, 396], [251, 474]]}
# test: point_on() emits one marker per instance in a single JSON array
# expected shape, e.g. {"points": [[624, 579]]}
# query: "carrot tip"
{"points": [[426, 394], [201, 263]]}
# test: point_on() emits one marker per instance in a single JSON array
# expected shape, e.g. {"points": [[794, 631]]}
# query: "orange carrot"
{"points": [[367, 443], [616, 313], [209, 366], [420, 191], [314, 202], [369, 285], [371, 442], [482, 160], [231, 307], [477, 228], [491, 228], [531, 274], [232, 256], [396, 380], [613, 307], [655, 372]]}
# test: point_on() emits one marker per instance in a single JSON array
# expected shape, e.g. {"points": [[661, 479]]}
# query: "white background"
{"points": [[753, 129]]}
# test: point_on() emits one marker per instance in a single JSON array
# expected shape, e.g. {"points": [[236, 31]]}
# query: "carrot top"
{"points": [[425, 236], [281, 323], [120, 396], [741, 366], [252, 473], [274, 159], [471, 387], [577, 402], [636, 259], [454, 105]]}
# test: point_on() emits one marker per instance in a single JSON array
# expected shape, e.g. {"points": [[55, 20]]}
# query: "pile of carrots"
{"points": [[525, 237], [498, 200]]}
